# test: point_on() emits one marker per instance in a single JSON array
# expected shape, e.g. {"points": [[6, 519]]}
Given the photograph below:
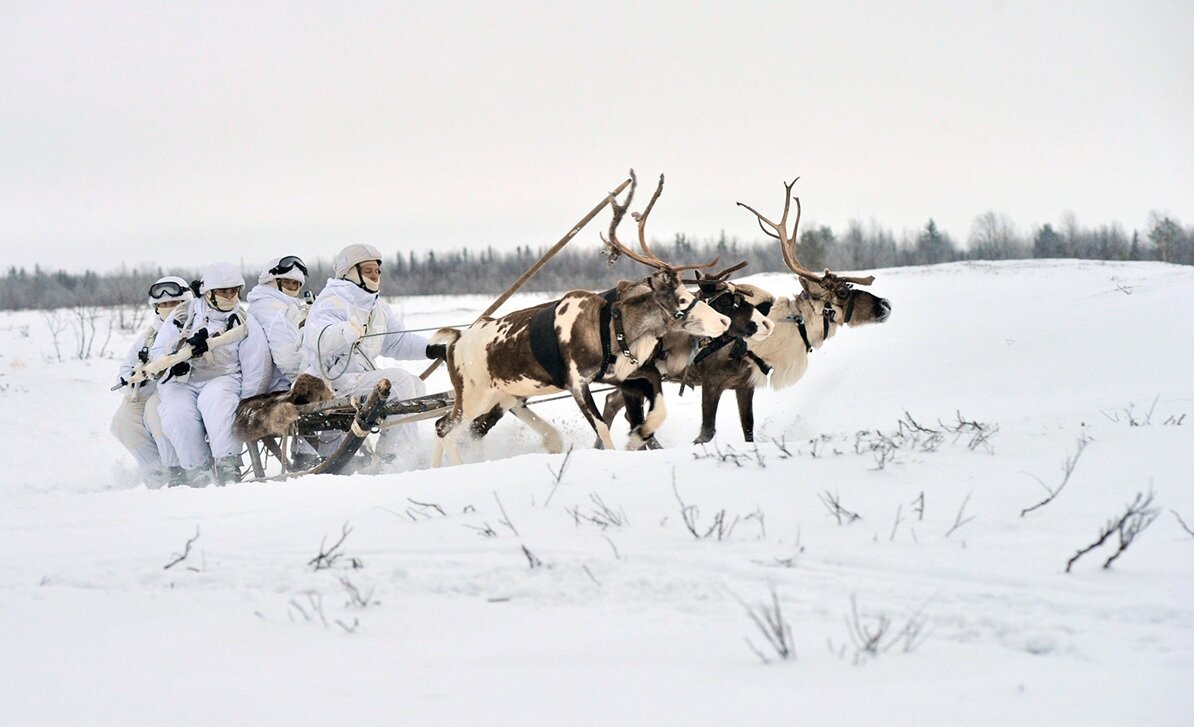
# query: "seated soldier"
{"points": [[349, 327], [274, 303], [199, 396], [137, 423]]}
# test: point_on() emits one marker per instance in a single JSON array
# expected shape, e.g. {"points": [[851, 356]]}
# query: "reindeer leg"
{"points": [[614, 402], [710, 397], [552, 441], [649, 386], [746, 411], [588, 407], [445, 439], [437, 457], [635, 393]]}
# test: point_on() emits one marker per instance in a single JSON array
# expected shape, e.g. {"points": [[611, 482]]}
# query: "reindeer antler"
{"points": [[641, 219], [787, 243], [648, 257], [724, 274]]}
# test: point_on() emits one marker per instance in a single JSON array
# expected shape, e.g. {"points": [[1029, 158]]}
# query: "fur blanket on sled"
{"points": [[272, 414]]}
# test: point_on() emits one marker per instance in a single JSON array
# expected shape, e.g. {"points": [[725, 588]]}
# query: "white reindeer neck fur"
{"points": [[784, 350]]}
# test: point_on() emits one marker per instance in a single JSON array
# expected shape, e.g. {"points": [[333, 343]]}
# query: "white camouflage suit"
{"points": [[342, 309], [279, 315], [202, 404], [137, 423]]}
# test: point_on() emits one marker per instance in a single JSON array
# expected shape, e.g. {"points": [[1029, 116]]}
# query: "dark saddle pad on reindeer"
{"points": [[545, 344], [272, 414]]}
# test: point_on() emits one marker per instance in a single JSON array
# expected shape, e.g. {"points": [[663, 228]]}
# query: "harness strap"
{"points": [[799, 321], [620, 334], [741, 351], [827, 314], [607, 354], [758, 361], [713, 346]]}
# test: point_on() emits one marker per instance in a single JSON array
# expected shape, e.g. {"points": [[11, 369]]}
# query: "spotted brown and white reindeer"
{"points": [[495, 365], [802, 324]]}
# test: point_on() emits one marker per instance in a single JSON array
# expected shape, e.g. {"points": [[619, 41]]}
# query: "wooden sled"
{"points": [[274, 425]]}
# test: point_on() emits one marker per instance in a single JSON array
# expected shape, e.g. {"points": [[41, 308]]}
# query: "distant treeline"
{"points": [[581, 265]]}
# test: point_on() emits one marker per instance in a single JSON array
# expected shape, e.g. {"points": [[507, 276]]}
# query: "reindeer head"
{"points": [[743, 304], [842, 301], [851, 306], [686, 311]]}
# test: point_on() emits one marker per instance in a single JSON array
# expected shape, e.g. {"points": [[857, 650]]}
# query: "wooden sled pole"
{"points": [[362, 423], [540, 263]]}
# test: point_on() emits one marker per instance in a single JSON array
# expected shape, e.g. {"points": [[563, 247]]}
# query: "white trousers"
{"points": [[197, 419], [153, 421], [399, 440], [129, 426]]}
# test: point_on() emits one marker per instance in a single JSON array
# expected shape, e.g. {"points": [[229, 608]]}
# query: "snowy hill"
{"points": [[491, 593]]}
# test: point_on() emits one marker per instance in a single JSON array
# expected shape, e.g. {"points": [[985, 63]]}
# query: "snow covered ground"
{"points": [[492, 594]]}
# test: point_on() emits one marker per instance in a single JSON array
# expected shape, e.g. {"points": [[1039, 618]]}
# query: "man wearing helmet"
{"points": [[199, 397], [137, 423], [274, 304], [349, 327]]}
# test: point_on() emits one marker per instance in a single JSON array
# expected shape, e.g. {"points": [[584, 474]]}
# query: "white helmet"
{"points": [[289, 267], [216, 277], [220, 275], [347, 264], [169, 288]]}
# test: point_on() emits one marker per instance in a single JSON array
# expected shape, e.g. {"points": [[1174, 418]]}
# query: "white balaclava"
{"points": [[217, 276], [347, 265], [168, 289], [290, 267]]}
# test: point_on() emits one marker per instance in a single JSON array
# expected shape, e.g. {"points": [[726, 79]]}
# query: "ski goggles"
{"points": [[287, 264], [168, 288]]}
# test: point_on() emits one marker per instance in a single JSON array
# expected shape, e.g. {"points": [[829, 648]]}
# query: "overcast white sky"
{"points": [[183, 132]]}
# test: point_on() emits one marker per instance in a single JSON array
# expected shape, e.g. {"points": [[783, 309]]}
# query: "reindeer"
{"points": [[495, 365], [803, 324], [744, 305]]}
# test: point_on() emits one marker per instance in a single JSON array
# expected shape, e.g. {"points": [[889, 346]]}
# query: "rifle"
{"points": [[145, 371]]}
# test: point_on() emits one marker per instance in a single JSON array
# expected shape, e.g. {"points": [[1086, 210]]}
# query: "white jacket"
{"points": [[329, 332], [248, 360], [143, 341], [279, 315]]}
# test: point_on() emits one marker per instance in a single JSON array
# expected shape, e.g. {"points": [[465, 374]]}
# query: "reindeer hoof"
{"points": [[651, 443], [704, 436]]}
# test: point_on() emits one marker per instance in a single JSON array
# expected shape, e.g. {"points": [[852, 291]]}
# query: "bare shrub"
{"points": [[186, 551], [960, 519], [327, 557], [532, 559], [720, 528], [769, 619], [1182, 523], [874, 635], [57, 322], [1138, 515], [833, 504], [601, 514], [731, 455], [1067, 469], [557, 476], [356, 597], [83, 322]]}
